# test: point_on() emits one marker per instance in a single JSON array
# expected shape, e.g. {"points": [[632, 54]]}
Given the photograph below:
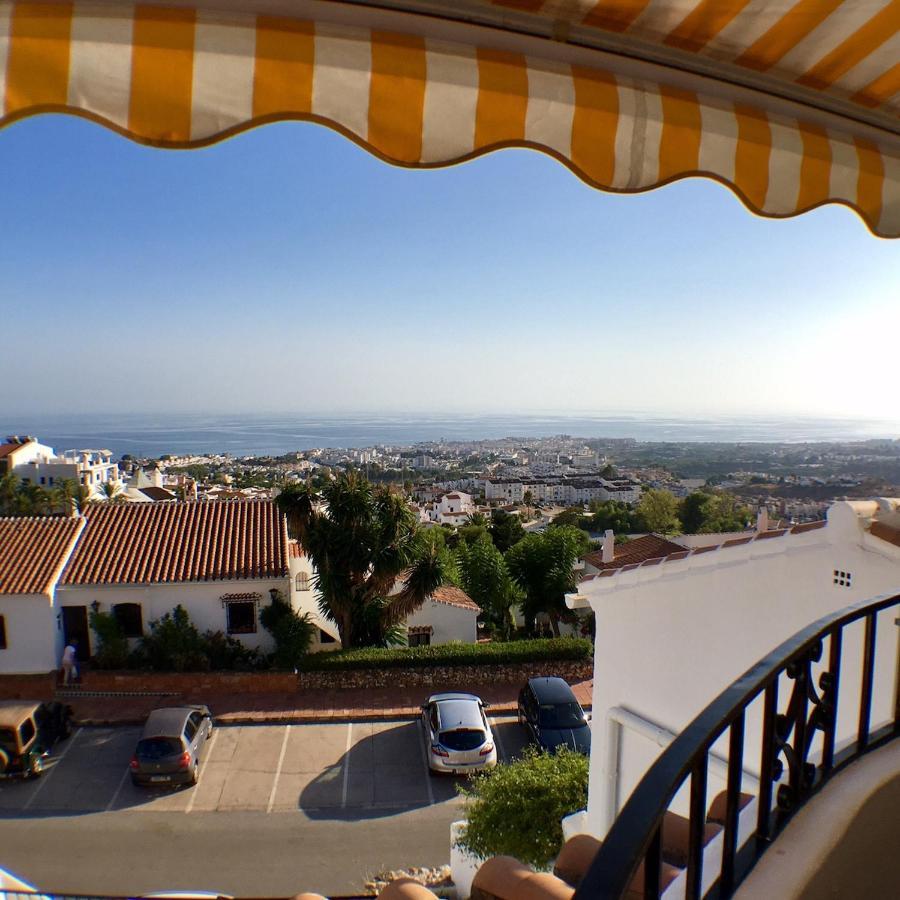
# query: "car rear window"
{"points": [[157, 748], [463, 739], [8, 739], [561, 715]]}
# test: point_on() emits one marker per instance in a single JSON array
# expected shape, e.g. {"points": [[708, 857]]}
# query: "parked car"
{"points": [[459, 739], [552, 715], [28, 732], [171, 745]]}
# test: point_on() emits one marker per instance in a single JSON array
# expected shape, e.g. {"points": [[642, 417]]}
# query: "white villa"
{"points": [[220, 561], [36, 463], [675, 628]]}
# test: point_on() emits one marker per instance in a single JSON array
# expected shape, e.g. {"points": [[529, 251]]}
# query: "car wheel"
{"points": [[522, 722], [135, 781], [195, 772]]}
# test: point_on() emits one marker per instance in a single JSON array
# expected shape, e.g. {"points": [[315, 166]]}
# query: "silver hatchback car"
{"points": [[170, 746], [459, 739]]}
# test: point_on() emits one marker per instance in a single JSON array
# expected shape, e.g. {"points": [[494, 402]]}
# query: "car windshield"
{"points": [[157, 748], [463, 739], [561, 715], [8, 739]]}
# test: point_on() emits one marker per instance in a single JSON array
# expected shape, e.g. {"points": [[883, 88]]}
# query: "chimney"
{"points": [[762, 520], [609, 545]]}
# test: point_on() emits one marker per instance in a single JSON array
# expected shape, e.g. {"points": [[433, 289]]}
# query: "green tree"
{"points": [[112, 491], [361, 539], [542, 566], [658, 511], [506, 530], [573, 516], [517, 809], [485, 578], [614, 514], [291, 632], [710, 512]]}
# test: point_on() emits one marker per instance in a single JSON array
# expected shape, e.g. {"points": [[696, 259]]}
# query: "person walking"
{"points": [[70, 661]]}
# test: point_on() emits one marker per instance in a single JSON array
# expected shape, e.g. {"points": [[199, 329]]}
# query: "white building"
{"points": [[36, 463], [674, 631], [220, 561], [448, 615]]}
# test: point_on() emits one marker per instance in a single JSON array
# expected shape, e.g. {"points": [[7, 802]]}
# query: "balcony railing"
{"points": [[636, 836]]}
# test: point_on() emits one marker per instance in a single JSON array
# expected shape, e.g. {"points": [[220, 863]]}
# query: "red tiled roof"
{"points": [[6, 449], [454, 596], [620, 564], [649, 546], [295, 551], [32, 552], [160, 543], [885, 532], [157, 493]]}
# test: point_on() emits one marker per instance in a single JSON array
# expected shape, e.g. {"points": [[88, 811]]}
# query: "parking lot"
{"points": [[318, 770], [278, 809]]}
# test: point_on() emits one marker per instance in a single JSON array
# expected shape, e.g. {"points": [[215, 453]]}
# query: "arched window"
{"points": [[302, 581]]}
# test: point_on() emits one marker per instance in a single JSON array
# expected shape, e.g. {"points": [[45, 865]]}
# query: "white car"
{"points": [[459, 739]]}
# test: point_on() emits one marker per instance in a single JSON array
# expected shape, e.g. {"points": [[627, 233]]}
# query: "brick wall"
{"points": [[41, 687]]}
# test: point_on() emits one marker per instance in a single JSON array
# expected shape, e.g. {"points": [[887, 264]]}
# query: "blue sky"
{"points": [[288, 270]]}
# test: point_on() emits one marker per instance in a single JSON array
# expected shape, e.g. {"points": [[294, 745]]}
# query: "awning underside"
{"points": [[424, 93]]}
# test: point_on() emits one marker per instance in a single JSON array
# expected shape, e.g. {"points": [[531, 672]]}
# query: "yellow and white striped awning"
{"points": [[791, 103]]}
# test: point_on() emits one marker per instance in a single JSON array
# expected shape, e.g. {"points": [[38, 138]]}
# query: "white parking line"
{"points": [[425, 763], [500, 747], [346, 784], [287, 732], [206, 756], [45, 778], [115, 796]]}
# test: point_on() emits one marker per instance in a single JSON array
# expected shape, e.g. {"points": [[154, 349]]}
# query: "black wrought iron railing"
{"points": [[632, 851]]}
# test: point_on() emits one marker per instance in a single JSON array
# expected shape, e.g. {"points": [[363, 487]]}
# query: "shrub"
{"points": [[517, 809], [291, 632], [229, 654], [537, 650], [174, 644], [112, 645]]}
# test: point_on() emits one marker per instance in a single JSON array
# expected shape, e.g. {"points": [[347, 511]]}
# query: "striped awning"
{"points": [[791, 103]]}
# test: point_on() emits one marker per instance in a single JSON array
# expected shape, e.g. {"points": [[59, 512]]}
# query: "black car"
{"points": [[553, 717]]}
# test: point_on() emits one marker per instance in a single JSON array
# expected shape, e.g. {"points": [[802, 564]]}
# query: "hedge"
{"points": [[457, 654]]}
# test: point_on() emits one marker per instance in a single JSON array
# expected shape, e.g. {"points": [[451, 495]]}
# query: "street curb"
{"points": [[387, 715]]}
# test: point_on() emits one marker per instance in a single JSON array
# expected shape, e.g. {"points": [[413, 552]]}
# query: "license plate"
{"points": [[160, 777]]}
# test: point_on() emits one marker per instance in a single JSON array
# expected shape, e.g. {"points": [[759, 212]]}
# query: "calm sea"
{"points": [[244, 435]]}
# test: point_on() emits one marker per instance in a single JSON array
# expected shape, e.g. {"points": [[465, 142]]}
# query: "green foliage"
{"points": [[361, 539], [112, 646], [516, 809], [506, 530], [226, 653], [541, 564], [709, 512], [291, 632], [536, 650], [174, 644], [485, 578], [620, 517], [658, 511]]}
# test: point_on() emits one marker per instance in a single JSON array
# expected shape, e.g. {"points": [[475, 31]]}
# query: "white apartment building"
{"points": [[36, 463], [565, 491]]}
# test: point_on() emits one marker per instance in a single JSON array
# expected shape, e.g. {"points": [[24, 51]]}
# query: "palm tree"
{"points": [[9, 487], [362, 539], [112, 491]]}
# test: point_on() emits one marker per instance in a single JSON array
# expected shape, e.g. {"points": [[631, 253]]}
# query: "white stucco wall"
{"points": [[671, 637], [449, 623], [31, 630], [307, 603], [202, 600]]}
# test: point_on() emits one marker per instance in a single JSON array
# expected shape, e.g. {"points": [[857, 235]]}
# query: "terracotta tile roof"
{"points": [[454, 596], [885, 532], [620, 564], [160, 543], [295, 551], [649, 546], [32, 551], [157, 493], [6, 449]]}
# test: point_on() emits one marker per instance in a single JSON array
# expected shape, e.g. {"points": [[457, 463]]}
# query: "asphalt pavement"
{"points": [[278, 809]]}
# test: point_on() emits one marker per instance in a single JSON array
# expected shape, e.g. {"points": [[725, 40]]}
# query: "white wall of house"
{"points": [[202, 600], [306, 602], [449, 623], [671, 637], [31, 634]]}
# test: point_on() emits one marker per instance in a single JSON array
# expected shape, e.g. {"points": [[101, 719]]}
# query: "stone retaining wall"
{"points": [[444, 676], [41, 687]]}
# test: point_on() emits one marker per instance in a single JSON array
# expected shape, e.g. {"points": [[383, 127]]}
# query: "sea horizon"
{"points": [[259, 434]]}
